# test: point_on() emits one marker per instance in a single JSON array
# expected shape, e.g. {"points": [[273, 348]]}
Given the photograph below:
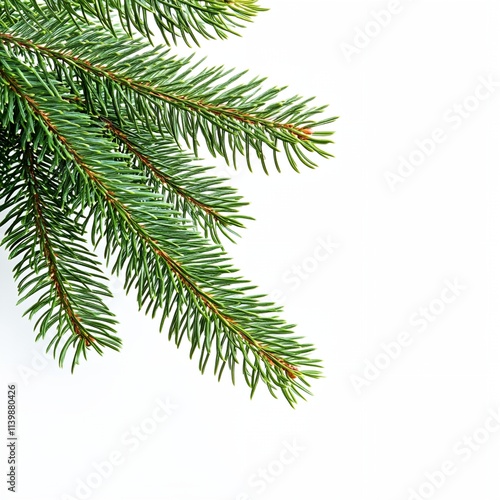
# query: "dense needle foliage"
{"points": [[99, 137]]}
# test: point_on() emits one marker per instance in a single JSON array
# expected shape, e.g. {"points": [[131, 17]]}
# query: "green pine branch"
{"points": [[210, 204], [53, 262], [175, 96], [174, 19], [92, 125]]}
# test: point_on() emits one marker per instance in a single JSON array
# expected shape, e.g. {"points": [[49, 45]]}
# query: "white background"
{"points": [[394, 251]]}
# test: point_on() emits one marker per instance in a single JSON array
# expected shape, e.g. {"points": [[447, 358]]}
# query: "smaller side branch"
{"points": [[164, 178], [43, 232]]}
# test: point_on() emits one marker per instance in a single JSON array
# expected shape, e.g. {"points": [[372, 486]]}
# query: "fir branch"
{"points": [[208, 300], [178, 99], [52, 261], [210, 204], [184, 19], [92, 122]]}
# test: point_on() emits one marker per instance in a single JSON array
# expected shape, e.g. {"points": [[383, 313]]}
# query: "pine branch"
{"points": [[92, 122], [210, 204], [52, 261], [169, 263], [175, 97], [184, 19]]}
